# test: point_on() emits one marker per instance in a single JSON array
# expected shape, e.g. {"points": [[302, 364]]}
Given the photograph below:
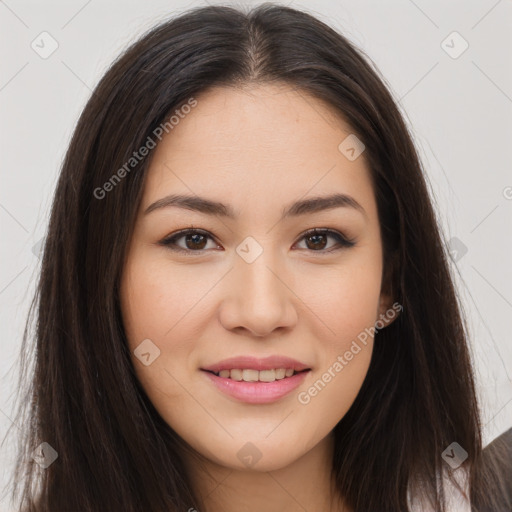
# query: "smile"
{"points": [[252, 387], [248, 375]]}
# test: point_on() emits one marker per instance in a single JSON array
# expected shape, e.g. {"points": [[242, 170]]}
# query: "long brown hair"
{"points": [[81, 395]]}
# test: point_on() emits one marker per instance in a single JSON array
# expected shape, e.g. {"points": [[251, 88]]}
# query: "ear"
{"points": [[388, 309]]}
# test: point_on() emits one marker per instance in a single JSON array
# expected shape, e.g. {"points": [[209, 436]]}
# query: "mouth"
{"points": [[256, 386], [252, 375]]}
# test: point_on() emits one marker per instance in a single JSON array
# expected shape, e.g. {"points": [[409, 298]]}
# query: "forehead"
{"points": [[259, 145]]}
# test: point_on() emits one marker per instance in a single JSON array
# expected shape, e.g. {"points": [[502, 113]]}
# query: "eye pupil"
{"points": [[196, 239], [316, 237]]}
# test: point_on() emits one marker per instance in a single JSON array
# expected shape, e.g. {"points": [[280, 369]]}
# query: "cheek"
{"points": [[163, 305], [155, 302], [347, 301], [347, 305], [150, 308], [345, 353]]}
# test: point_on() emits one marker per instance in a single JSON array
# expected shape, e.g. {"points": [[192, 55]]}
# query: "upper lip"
{"points": [[254, 363]]}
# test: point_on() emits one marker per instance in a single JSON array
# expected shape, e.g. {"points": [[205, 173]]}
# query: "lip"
{"points": [[257, 392], [253, 363]]}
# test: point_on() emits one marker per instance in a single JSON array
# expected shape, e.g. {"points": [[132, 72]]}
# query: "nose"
{"points": [[257, 298]]}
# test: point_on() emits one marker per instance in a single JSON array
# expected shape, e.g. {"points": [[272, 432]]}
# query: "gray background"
{"points": [[459, 109]]}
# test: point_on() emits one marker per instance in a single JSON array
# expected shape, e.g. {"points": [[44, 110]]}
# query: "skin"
{"points": [[257, 149]]}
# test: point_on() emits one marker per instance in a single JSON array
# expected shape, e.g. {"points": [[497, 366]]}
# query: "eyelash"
{"points": [[170, 241]]}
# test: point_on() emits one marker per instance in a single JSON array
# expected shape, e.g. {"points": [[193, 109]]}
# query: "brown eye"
{"points": [[317, 240], [194, 241]]}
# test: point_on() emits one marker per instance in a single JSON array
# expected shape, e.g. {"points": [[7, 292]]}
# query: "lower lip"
{"points": [[257, 392]]}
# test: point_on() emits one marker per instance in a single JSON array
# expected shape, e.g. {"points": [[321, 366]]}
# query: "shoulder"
{"points": [[501, 447], [498, 456]]}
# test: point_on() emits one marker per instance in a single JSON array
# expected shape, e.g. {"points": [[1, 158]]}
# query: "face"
{"points": [[248, 281]]}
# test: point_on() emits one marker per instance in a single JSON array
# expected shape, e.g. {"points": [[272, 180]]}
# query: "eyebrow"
{"points": [[218, 209]]}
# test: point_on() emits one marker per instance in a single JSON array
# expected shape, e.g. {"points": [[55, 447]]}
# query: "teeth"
{"points": [[250, 375], [235, 374], [255, 375], [268, 375]]}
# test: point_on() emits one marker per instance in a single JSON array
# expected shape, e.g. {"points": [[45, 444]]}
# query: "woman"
{"points": [[245, 302]]}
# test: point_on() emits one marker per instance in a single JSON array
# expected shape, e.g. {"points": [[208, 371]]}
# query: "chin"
{"points": [[258, 455]]}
